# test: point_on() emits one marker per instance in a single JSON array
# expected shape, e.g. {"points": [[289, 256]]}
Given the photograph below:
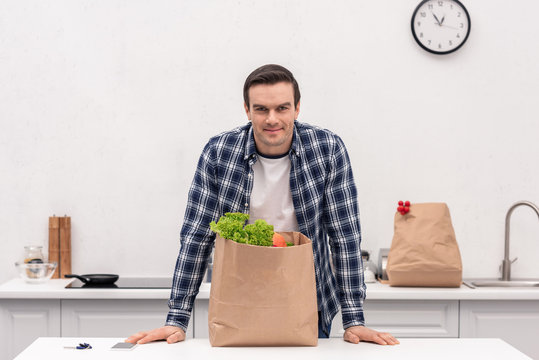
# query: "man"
{"points": [[295, 176]]}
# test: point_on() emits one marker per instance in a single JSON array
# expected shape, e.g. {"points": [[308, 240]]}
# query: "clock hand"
{"points": [[438, 21], [441, 22], [451, 27]]}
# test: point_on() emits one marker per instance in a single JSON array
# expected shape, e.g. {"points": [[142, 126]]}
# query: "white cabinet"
{"points": [[200, 318], [515, 321], [23, 321], [402, 318], [408, 318], [112, 318]]}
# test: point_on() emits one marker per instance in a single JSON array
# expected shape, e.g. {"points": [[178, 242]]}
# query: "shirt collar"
{"points": [[250, 146]]}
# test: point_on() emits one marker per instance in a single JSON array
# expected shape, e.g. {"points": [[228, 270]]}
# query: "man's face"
{"points": [[272, 113]]}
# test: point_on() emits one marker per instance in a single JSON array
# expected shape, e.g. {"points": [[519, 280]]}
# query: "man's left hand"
{"points": [[355, 334]]}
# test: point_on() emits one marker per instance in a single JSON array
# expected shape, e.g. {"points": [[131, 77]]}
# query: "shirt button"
{"points": [[246, 204]]}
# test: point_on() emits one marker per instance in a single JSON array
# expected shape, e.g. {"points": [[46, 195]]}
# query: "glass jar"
{"points": [[369, 270], [33, 254]]}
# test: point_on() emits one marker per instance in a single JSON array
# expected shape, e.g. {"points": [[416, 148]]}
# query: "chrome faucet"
{"points": [[506, 264]]}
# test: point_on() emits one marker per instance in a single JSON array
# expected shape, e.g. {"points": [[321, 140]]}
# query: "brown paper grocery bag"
{"points": [[424, 251], [263, 296]]}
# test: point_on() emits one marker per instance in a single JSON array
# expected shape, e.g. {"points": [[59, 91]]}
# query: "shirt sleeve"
{"points": [[196, 241], [342, 220]]}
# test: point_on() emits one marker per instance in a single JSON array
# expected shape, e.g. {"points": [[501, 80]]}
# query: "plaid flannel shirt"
{"points": [[325, 199]]}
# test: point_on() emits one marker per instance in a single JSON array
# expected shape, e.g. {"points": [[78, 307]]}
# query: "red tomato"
{"points": [[278, 240]]}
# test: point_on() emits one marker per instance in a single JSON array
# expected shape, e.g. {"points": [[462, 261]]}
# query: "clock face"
{"points": [[441, 26]]}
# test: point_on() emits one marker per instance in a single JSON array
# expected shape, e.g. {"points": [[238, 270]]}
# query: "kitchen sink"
{"points": [[505, 268], [506, 283]]}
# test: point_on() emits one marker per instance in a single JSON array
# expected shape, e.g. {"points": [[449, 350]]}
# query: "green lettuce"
{"points": [[260, 233], [232, 226]]}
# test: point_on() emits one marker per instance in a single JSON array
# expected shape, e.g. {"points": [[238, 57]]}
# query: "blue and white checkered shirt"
{"points": [[325, 200]]}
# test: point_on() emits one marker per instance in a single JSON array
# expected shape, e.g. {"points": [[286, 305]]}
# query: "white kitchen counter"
{"points": [[55, 289], [416, 349]]}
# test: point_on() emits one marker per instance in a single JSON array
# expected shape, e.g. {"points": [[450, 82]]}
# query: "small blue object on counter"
{"points": [[81, 346]]}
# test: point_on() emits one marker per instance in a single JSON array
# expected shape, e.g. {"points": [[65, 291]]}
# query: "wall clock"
{"points": [[441, 26]]}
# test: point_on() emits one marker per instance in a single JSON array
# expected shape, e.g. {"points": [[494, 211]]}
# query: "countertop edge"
{"points": [[55, 289]]}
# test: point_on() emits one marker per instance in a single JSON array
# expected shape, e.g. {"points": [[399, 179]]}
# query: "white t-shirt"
{"points": [[271, 198]]}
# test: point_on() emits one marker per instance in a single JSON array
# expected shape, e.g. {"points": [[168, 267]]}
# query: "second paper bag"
{"points": [[424, 250], [263, 296]]}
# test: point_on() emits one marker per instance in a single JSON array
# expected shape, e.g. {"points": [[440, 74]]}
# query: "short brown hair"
{"points": [[270, 74]]}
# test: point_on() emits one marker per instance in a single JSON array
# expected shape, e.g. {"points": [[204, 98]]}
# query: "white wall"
{"points": [[105, 107]]}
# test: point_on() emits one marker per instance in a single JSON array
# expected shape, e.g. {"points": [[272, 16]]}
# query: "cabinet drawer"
{"points": [[23, 321], [409, 318], [112, 318], [515, 321], [402, 318]]}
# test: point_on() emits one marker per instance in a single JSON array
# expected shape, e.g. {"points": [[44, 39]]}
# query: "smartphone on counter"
{"points": [[123, 346]]}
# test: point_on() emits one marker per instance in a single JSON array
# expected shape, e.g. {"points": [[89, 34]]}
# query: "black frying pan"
{"points": [[95, 279]]}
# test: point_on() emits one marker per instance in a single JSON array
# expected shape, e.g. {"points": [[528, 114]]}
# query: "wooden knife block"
{"points": [[60, 244]]}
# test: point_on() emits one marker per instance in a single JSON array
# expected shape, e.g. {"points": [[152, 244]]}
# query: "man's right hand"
{"points": [[171, 334]]}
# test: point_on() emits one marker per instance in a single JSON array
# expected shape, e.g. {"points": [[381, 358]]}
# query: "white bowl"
{"points": [[36, 273]]}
